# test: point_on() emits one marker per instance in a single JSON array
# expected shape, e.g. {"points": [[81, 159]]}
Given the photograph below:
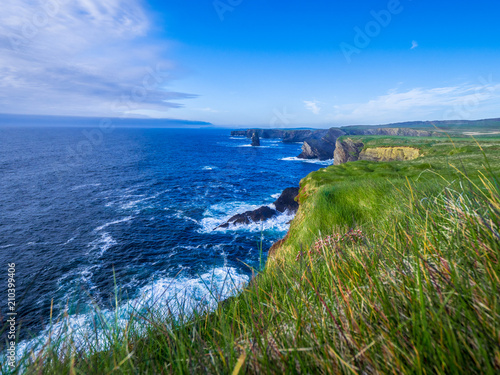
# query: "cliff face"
{"points": [[349, 150], [389, 154], [323, 148], [316, 149]]}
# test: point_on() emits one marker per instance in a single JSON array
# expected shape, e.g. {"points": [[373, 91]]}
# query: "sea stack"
{"points": [[255, 140]]}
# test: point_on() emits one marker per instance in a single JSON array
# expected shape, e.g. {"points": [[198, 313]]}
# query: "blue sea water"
{"points": [[139, 206]]}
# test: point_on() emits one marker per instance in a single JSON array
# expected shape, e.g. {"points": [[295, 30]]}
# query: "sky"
{"points": [[242, 63]]}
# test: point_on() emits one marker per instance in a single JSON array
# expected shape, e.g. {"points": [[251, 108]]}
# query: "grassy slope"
{"points": [[413, 289], [363, 192]]}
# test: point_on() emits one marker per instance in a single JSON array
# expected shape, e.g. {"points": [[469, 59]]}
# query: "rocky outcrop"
{"points": [[347, 150], [285, 203], [261, 214], [255, 140], [322, 144], [316, 149], [323, 148], [389, 154]]}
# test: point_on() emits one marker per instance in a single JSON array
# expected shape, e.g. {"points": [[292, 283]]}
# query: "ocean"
{"points": [[83, 211]]}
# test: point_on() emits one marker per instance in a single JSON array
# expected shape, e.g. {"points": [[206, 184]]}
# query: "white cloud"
{"points": [[414, 44], [312, 106], [207, 109], [82, 57], [441, 103]]}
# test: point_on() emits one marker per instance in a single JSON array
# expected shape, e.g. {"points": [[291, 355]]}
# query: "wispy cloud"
{"points": [[82, 57], [207, 109], [414, 44], [462, 101], [312, 106]]}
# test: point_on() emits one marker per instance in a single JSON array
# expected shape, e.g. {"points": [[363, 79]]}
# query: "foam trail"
{"points": [[125, 219], [313, 161], [176, 296]]}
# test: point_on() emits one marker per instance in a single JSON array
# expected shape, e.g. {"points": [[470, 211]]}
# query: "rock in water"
{"points": [[255, 140], [286, 201], [261, 214]]}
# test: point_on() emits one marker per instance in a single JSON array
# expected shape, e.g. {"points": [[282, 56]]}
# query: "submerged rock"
{"points": [[255, 140]]}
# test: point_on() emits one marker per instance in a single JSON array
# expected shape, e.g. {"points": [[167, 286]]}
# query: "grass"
{"points": [[387, 268]]}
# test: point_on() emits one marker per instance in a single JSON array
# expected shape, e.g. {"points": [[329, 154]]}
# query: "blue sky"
{"points": [[252, 62]]}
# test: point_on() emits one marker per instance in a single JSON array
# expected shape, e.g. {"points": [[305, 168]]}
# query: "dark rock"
{"points": [[316, 149], [261, 214], [402, 132], [323, 148], [255, 140], [286, 201]]}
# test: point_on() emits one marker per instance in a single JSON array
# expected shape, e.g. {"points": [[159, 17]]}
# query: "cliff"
{"points": [[389, 154], [352, 150], [321, 144], [347, 150], [323, 148]]}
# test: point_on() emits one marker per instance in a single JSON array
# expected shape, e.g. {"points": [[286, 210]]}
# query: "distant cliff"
{"points": [[323, 148], [298, 135], [322, 144], [352, 150]]}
